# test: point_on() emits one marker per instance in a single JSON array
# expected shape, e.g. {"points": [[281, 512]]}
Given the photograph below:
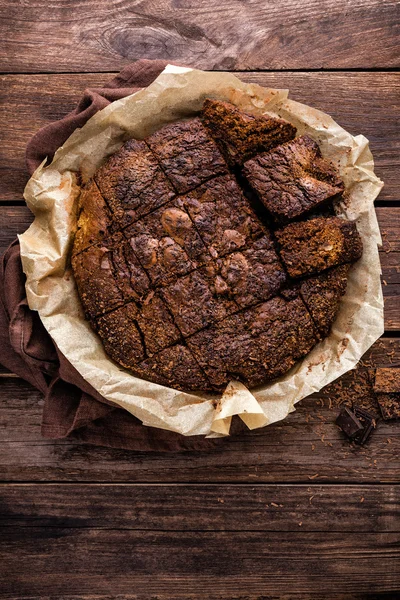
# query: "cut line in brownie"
{"points": [[256, 345], [310, 247], [94, 220], [108, 275], [293, 179], [240, 135], [133, 183], [198, 300], [167, 243], [253, 275], [134, 331], [187, 154], [322, 295], [174, 367], [222, 215]]}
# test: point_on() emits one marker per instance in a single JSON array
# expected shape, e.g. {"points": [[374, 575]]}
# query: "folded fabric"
{"points": [[72, 407]]}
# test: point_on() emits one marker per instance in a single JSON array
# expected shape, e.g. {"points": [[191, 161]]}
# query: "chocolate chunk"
{"points": [[132, 183], [293, 179], [187, 154], [222, 216], [241, 135], [349, 423], [310, 247], [387, 391]]}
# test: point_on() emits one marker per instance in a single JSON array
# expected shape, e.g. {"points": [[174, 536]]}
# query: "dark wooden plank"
{"points": [[362, 102], [306, 447], [104, 36], [16, 219], [61, 562], [203, 507]]}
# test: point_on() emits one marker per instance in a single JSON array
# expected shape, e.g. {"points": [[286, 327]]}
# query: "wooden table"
{"points": [[290, 511]]}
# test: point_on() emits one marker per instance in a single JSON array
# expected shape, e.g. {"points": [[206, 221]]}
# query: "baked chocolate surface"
{"points": [[293, 179], [180, 268], [241, 135], [309, 247]]}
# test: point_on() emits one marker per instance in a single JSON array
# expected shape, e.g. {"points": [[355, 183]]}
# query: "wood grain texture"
{"points": [[306, 447], [174, 541], [233, 35], [202, 507], [16, 219], [219, 564], [366, 103]]}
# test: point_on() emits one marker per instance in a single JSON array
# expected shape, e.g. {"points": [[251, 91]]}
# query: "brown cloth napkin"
{"points": [[72, 407]]}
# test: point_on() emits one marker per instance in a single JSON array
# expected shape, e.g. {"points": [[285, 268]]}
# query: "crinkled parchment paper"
{"points": [[52, 192]]}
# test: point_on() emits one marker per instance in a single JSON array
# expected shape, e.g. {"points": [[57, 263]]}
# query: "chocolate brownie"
{"points": [[253, 275], [387, 391], [175, 264], [187, 154], [108, 275], [132, 183], [222, 215], [174, 367], [257, 345], [94, 220], [198, 299], [133, 332], [293, 179], [167, 243], [322, 295], [310, 247], [240, 135]]}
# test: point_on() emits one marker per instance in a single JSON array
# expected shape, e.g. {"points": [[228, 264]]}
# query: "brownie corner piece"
{"points": [[187, 154], [94, 221], [310, 247], [322, 294], [387, 392], [133, 183], [175, 367], [198, 300], [293, 179], [241, 135]]}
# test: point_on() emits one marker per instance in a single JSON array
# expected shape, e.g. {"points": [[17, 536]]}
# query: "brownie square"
{"points": [[187, 154], [156, 324], [132, 183], [310, 247], [174, 367], [293, 179], [94, 220], [121, 336], [167, 244], [240, 135], [227, 350], [284, 331], [106, 277], [253, 275], [197, 300], [222, 215], [322, 295]]}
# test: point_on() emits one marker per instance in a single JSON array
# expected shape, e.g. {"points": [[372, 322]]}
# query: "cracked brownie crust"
{"points": [[185, 259]]}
